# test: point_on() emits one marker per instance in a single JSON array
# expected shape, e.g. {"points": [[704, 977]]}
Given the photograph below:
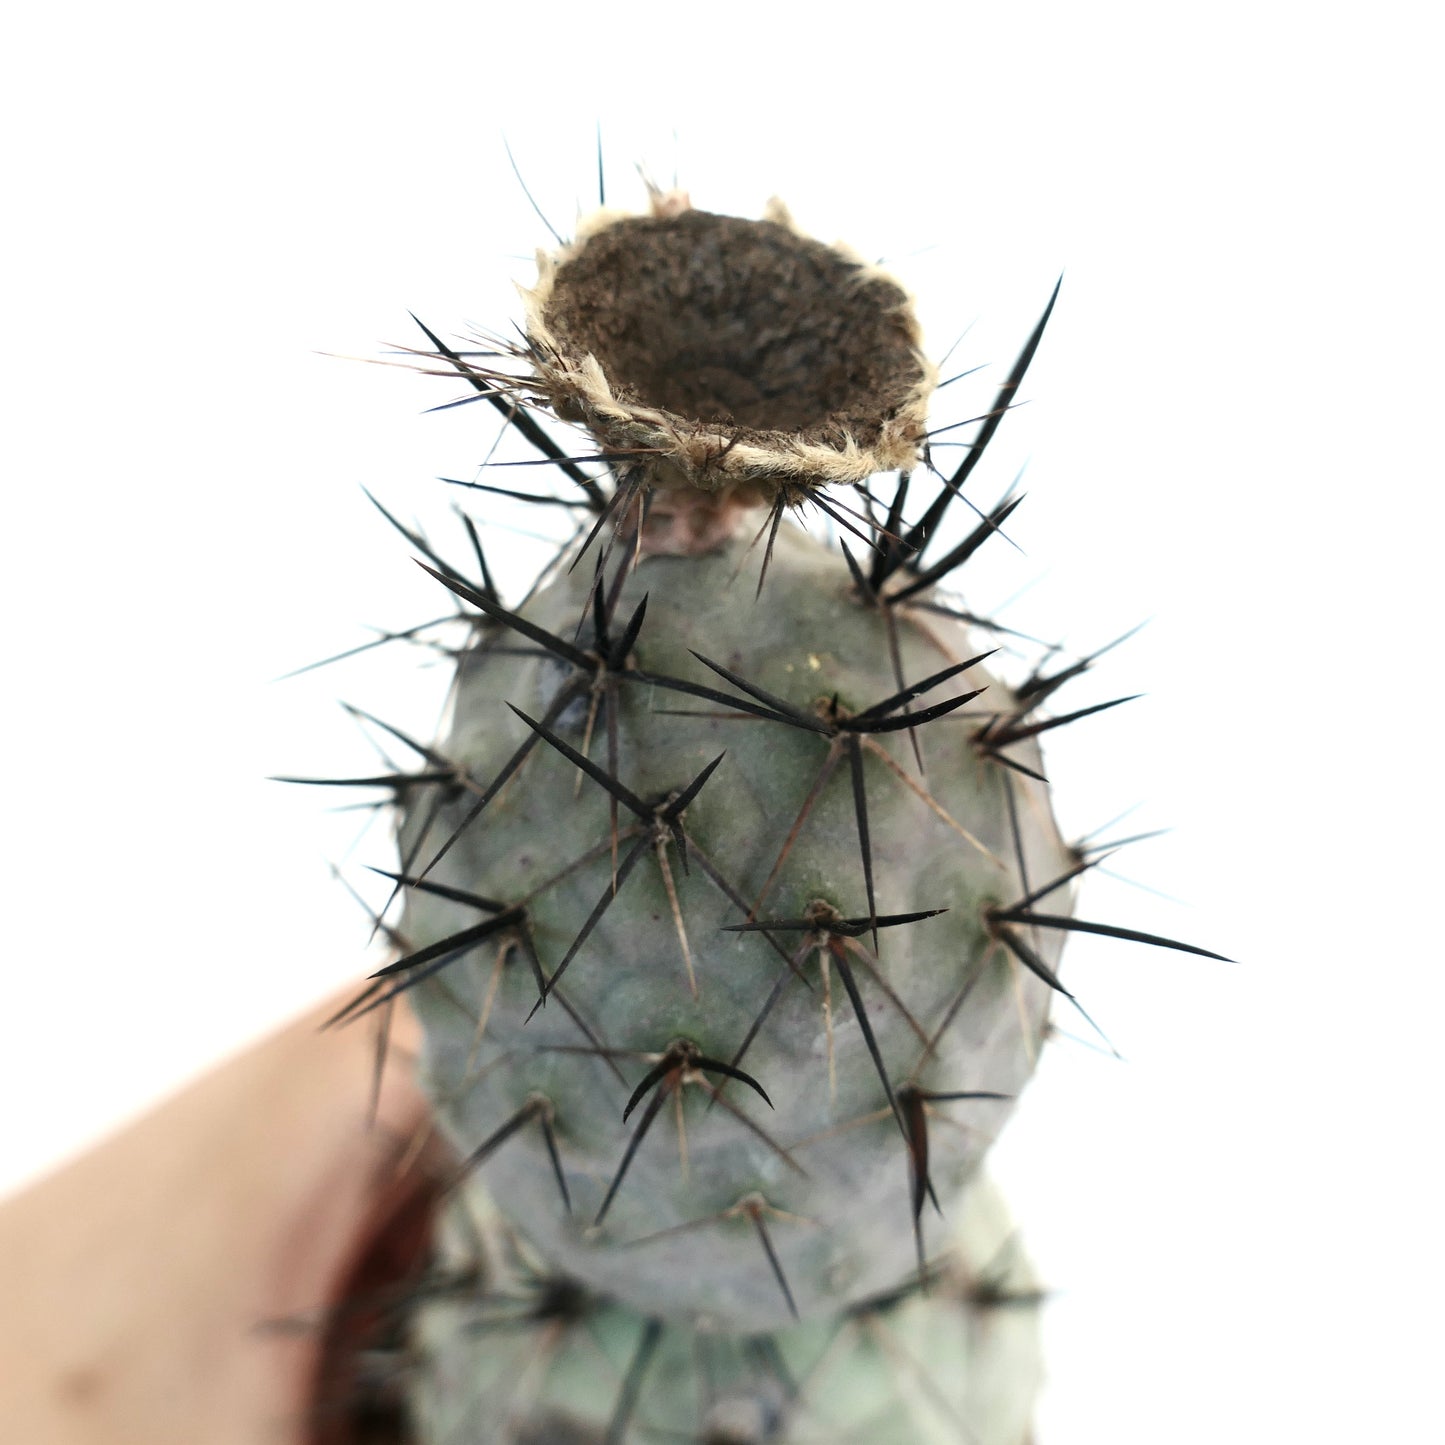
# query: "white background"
{"points": [[1226, 433]]}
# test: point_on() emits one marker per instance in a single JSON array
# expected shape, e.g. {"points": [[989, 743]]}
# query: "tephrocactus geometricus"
{"points": [[734, 896]]}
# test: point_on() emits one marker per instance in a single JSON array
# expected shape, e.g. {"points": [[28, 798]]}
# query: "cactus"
{"points": [[733, 895]]}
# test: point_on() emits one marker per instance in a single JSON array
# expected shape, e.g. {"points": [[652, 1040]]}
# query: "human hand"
{"points": [[180, 1284]]}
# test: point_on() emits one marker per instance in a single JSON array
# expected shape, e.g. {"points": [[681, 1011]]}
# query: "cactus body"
{"points": [[826, 1195], [734, 899], [521, 1362]]}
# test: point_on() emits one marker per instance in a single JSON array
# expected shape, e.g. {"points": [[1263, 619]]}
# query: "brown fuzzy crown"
{"points": [[729, 354]]}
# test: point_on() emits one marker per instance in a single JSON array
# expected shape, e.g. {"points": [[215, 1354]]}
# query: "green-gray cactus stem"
{"points": [[516, 1355], [720, 996]]}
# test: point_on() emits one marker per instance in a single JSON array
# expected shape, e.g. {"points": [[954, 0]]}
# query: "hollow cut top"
{"points": [[721, 350]]}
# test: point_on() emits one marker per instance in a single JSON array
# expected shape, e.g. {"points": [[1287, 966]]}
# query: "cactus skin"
{"points": [[732, 920], [521, 1359], [849, 1235]]}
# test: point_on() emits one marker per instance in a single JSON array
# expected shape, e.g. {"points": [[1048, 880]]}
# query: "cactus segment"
{"points": [[520, 1356], [820, 916]]}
